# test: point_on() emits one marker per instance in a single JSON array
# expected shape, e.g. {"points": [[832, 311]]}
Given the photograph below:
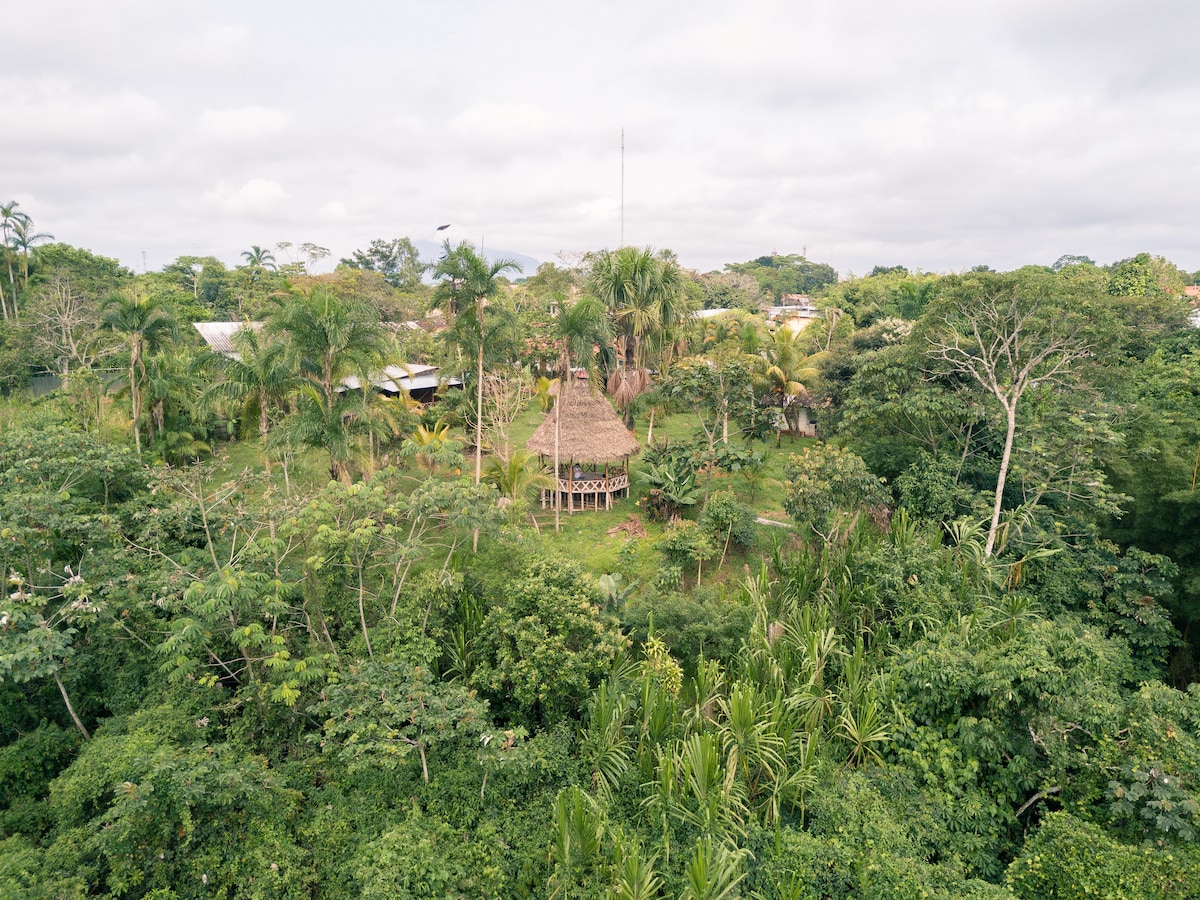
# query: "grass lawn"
{"points": [[583, 537]]}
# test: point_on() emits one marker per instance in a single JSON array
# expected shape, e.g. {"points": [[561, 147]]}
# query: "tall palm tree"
{"points": [[466, 281], [24, 239], [781, 375], [145, 324], [258, 378], [326, 340], [258, 261], [10, 217], [644, 294]]}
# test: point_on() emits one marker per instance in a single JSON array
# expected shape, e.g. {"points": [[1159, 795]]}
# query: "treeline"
{"points": [[341, 667]]}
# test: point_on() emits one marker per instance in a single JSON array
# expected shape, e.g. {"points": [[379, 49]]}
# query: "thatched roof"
{"points": [[590, 431]]}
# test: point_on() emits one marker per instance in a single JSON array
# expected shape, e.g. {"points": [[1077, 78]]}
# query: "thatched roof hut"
{"points": [[589, 432]]}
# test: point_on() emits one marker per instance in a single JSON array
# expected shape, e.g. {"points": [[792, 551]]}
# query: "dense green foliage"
{"points": [[307, 657]]}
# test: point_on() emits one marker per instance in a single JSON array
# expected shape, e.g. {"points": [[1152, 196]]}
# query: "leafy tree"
{"points": [[732, 290], [39, 629], [545, 644], [1069, 858], [19, 359], [823, 481], [728, 521], [398, 260], [201, 283], [685, 542], [791, 274], [1006, 335], [93, 276], [159, 801], [1145, 276], [385, 710], [425, 858], [717, 392], [56, 486], [892, 414]]}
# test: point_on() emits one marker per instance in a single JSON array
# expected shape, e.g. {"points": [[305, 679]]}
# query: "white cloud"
{"points": [[334, 211], [930, 134], [487, 121], [257, 197], [242, 124], [58, 115]]}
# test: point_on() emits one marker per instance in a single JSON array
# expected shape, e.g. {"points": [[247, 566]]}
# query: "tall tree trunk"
{"points": [[135, 399], [1011, 410], [557, 417], [479, 411], [264, 420], [362, 610], [478, 419], [62, 689]]}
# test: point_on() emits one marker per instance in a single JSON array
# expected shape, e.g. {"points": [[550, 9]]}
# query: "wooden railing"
{"points": [[594, 485]]}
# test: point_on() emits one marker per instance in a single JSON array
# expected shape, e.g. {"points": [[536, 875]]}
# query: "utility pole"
{"points": [[622, 185]]}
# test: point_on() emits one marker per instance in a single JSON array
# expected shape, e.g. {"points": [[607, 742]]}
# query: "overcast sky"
{"points": [[937, 135]]}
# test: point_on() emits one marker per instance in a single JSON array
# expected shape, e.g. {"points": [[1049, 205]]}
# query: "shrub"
{"points": [[727, 520], [824, 481]]}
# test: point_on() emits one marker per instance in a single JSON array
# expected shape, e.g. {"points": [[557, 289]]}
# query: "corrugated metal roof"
{"points": [[219, 335], [414, 377]]}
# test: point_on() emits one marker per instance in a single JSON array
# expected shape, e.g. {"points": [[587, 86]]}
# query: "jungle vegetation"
{"points": [[267, 636]]}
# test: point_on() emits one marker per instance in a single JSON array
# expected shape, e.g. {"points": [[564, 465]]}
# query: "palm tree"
{"points": [[433, 447], [338, 429], [9, 219], [644, 294], [24, 238], [258, 261], [327, 340], [465, 282], [257, 379], [784, 368], [145, 324], [519, 475]]}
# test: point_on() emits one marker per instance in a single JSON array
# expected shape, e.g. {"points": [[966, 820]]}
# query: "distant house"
{"points": [[710, 313], [421, 382], [219, 335], [795, 312]]}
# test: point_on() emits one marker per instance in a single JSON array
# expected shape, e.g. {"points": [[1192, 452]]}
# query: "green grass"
{"points": [[583, 536]]}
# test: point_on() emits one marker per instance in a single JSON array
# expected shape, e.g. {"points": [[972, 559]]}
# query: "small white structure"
{"points": [[421, 382], [796, 312]]}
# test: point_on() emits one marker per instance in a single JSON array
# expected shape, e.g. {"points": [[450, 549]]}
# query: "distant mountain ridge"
{"points": [[431, 252]]}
